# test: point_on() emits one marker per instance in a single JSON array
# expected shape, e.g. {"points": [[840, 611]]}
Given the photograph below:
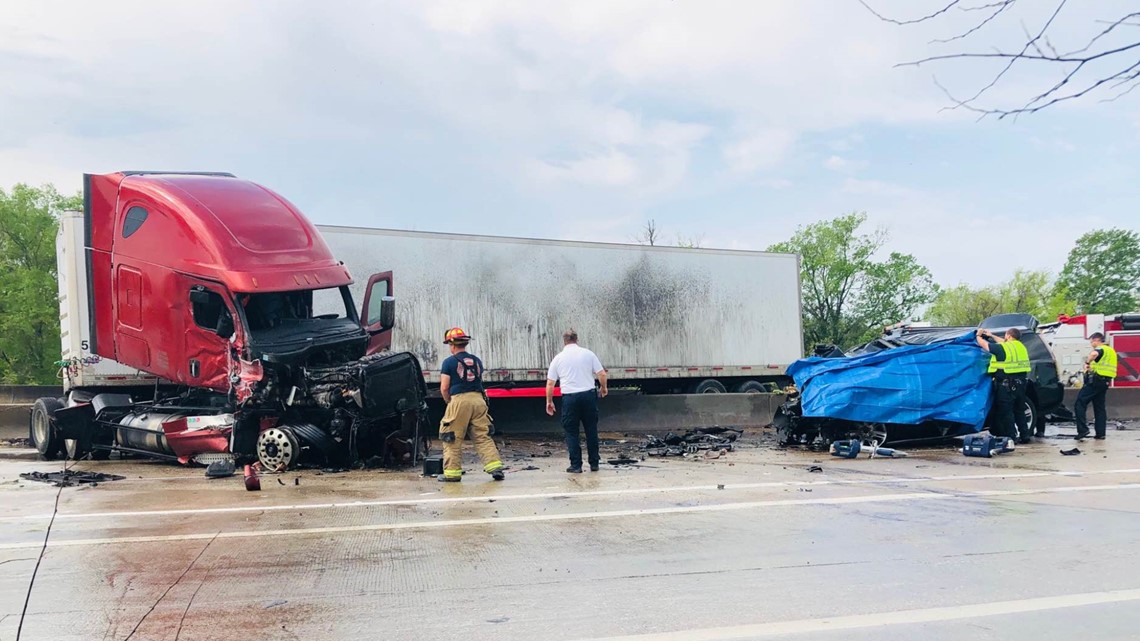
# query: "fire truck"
{"points": [[1069, 340]]}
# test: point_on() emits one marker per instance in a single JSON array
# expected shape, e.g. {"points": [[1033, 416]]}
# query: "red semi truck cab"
{"points": [[221, 293]]}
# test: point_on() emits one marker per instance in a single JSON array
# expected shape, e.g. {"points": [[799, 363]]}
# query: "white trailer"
{"points": [[662, 318], [82, 368]]}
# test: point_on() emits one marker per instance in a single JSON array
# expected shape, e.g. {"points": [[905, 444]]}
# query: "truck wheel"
{"points": [[278, 449], [73, 450], [709, 386], [45, 435], [751, 387]]}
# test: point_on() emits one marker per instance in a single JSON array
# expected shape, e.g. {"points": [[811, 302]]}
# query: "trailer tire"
{"points": [[751, 387], [709, 386], [73, 451], [42, 429]]}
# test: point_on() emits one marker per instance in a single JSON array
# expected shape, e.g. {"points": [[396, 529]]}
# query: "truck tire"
{"points": [[751, 387], [73, 451], [709, 386], [42, 429]]}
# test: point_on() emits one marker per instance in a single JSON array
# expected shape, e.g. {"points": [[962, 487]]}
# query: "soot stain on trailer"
{"points": [[647, 297]]}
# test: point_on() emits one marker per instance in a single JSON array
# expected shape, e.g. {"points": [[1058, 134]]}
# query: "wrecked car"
{"points": [[910, 383]]}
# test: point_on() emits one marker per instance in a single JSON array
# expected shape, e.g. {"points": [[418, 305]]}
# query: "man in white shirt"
{"points": [[576, 368]]}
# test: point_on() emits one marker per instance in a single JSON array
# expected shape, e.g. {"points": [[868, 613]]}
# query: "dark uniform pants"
{"points": [[1009, 408], [1094, 391], [581, 407]]}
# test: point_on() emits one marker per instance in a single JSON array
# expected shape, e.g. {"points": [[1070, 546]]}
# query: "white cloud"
{"points": [[762, 149], [841, 164]]}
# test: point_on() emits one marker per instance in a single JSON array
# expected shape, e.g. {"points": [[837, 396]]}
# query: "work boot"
{"points": [[449, 479], [1024, 441], [574, 470], [498, 475], [593, 467]]}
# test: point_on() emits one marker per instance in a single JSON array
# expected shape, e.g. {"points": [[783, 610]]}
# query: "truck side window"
{"points": [[134, 219], [207, 308]]}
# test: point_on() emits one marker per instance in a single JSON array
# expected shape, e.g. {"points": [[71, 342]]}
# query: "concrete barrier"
{"points": [[15, 402], [635, 413], [1122, 403]]}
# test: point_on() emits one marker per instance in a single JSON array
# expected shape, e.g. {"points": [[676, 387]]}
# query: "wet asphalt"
{"points": [[752, 545]]}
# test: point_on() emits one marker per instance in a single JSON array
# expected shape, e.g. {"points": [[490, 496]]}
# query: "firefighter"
{"points": [[461, 385], [1009, 366], [1100, 369]]}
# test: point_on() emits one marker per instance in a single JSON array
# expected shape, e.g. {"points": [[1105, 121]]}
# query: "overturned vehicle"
{"points": [[204, 319], [912, 383]]}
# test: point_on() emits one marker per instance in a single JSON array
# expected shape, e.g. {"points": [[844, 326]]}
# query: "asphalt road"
{"points": [[1032, 545]]}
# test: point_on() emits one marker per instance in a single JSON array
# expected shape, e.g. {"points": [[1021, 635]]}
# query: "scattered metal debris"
{"points": [[701, 439], [69, 478], [622, 459]]}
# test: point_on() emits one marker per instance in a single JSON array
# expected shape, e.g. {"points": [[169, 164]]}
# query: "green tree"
{"points": [[1102, 274], [1030, 292], [29, 298], [849, 295]]}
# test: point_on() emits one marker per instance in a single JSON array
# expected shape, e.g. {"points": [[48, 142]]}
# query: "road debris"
{"points": [[701, 439], [69, 478], [815, 468], [1073, 452], [221, 469], [985, 445]]}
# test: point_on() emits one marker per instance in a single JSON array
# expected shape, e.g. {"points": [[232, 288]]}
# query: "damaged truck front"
{"points": [[204, 318]]}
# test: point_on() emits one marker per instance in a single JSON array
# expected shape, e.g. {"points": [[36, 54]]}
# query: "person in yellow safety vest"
{"points": [[461, 385], [1100, 369], [1009, 366]]}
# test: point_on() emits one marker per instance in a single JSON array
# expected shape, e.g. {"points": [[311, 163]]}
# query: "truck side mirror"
{"points": [[387, 312]]}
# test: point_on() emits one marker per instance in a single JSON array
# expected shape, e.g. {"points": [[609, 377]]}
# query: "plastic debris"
{"points": [[69, 478]]}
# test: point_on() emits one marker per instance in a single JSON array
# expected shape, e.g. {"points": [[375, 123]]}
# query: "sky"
{"points": [[729, 122]]}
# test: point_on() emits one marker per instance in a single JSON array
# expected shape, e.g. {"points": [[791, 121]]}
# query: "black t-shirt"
{"points": [[466, 372]]}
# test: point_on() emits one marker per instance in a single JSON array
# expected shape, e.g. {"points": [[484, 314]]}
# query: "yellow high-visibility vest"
{"points": [[1016, 359], [1106, 366]]}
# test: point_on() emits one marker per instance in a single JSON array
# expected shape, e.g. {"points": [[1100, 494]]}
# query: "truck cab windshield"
{"points": [[275, 313]]}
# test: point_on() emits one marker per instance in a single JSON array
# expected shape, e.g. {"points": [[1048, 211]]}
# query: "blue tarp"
{"points": [[909, 385]]}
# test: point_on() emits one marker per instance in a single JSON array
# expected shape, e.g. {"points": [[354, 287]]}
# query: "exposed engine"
{"points": [[368, 411]]}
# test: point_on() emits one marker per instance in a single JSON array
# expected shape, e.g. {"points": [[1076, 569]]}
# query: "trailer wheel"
{"points": [[709, 386], [45, 435], [1032, 415], [751, 387]]}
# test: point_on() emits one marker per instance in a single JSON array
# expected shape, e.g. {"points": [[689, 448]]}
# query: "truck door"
{"points": [[378, 312], [209, 321]]}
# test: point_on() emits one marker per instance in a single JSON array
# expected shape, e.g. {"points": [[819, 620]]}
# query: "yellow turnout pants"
{"points": [[467, 410]]}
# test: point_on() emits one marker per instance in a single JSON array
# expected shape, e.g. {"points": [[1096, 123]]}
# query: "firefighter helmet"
{"points": [[455, 335]]}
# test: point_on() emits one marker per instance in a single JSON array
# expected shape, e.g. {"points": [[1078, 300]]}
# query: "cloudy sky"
{"points": [[734, 122]]}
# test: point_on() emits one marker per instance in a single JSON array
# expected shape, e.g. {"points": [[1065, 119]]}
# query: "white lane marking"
{"points": [[569, 516], [901, 617], [565, 494]]}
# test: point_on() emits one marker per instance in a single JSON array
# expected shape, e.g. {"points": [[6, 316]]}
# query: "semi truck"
{"points": [[662, 319], [204, 318]]}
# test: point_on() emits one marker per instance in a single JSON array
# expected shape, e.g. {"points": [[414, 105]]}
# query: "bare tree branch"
{"points": [[1038, 48], [914, 21]]}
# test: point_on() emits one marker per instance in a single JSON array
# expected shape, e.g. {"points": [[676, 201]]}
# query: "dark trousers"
{"points": [[1009, 408], [1093, 392], [581, 408]]}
